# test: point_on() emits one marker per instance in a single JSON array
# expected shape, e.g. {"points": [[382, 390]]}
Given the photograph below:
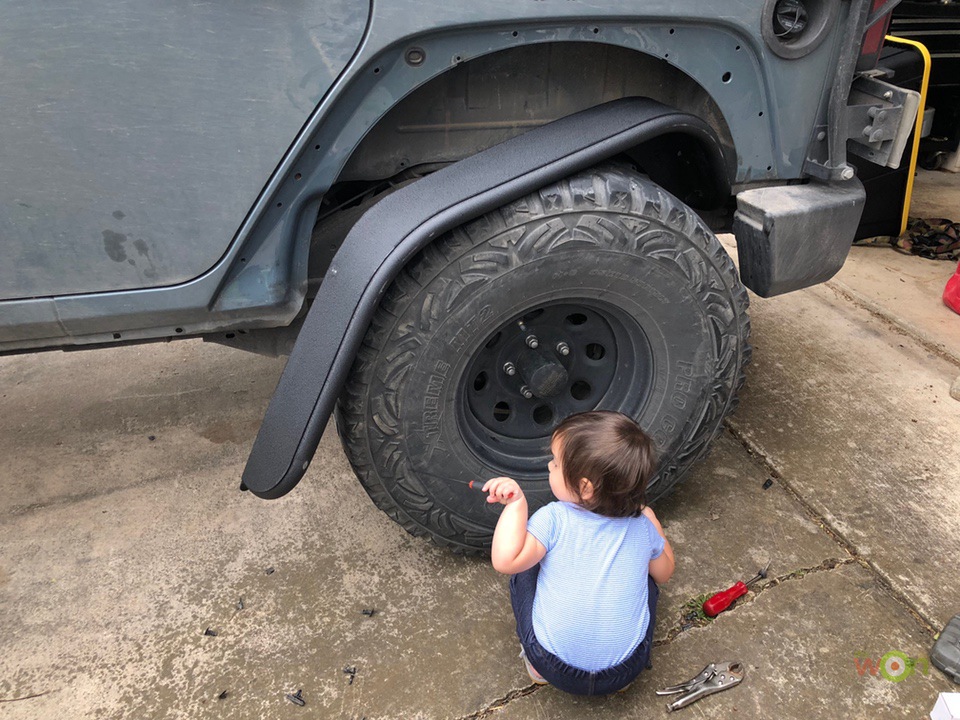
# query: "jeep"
{"points": [[463, 221]]}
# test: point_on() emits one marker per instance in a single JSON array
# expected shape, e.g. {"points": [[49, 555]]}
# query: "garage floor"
{"points": [[125, 538]]}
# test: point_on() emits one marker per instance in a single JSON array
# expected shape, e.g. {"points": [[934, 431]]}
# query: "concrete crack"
{"points": [[929, 625], [686, 623], [675, 631], [928, 343], [25, 697], [18, 511], [501, 703]]}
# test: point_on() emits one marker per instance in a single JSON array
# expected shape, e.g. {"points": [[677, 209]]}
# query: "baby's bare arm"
{"points": [[514, 549], [661, 568]]}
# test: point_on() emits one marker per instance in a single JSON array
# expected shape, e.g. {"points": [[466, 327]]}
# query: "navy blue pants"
{"points": [[523, 588]]}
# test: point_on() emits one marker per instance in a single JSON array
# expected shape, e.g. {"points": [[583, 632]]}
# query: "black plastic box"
{"points": [[946, 651]]}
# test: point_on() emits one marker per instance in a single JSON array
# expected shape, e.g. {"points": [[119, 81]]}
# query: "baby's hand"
{"points": [[503, 490]]}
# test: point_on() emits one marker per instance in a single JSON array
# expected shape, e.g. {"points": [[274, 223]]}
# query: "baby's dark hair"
{"points": [[611, 451]]}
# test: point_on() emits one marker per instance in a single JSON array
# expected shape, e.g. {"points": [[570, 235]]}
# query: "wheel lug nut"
{"points": [[563, 348], [525, 391], [533, 342], [509, 368]]}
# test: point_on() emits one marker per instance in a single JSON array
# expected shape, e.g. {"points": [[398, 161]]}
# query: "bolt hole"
{"points": [[666, 55], [596, 351], [580, 390], [480, 382], [297, 176], [596, 30], [116, 336], [576, 319], [457, 58], [243, 260], [179, 330], [501, 412], [230, 336], [316, 147], [515, 33], [542, 415], [738, 47], [493, 341], [726, 76], [760, 114], [279, 204], [415, 57], [376, 71], [671, 31], [769, 168]]}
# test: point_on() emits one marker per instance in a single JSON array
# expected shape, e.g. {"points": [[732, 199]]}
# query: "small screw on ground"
{"points": [[297, 699], [210, 633], [955, 389], [240, 604], [768, 483], [352, 672], [270, 571], [368, 612], [222, 696]]}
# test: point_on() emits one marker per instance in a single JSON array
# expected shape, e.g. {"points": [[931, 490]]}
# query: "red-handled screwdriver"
{"points": [[716, 604]]}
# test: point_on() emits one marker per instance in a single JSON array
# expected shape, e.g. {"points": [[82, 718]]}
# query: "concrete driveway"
{"points": [[124, 539]]}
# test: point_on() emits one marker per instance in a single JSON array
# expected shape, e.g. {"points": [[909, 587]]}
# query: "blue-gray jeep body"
{"points": [[199, 169]]}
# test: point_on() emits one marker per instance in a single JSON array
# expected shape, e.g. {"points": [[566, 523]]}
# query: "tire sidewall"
{"points": [[659, 283]]}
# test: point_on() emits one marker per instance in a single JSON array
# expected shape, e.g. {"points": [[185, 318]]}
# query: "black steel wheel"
{"points": [[602, 291], [538, 368]]}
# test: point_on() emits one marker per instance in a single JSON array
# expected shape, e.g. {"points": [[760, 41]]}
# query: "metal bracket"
{"points": [[880, 117]]}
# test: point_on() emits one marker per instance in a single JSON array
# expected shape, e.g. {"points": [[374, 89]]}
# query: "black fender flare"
{"points": [[391, 232]]}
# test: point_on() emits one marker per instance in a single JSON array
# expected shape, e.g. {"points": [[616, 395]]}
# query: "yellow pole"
{"points": [[919, 124]]}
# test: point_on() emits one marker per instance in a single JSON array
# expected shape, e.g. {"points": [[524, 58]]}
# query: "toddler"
{"points": [[585, 568]]}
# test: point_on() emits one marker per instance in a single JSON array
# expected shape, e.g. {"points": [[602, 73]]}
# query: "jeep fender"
{"points": [[395, 229]]}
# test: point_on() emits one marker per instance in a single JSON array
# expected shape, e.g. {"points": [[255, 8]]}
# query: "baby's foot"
{"points": [[531, 671]]}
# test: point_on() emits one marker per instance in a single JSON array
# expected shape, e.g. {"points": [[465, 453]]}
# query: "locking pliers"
{"points": [[712, 679]]}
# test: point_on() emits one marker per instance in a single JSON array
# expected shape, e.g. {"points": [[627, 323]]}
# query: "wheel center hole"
{"points": [[580, 389], [596, 351], [542, 415]]}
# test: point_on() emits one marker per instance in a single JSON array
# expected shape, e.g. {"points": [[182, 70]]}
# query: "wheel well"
{"points": [[491, 98], [487, 100]]}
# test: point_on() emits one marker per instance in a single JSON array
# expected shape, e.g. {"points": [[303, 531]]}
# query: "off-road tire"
{"points": [[609, 239]]}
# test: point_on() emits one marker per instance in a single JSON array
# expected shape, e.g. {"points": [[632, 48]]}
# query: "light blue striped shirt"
{"points": [[590, 609]]}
